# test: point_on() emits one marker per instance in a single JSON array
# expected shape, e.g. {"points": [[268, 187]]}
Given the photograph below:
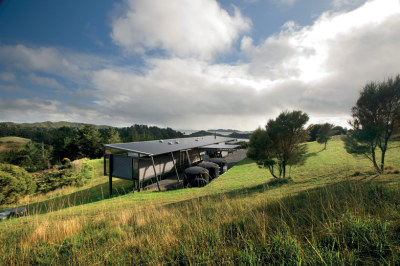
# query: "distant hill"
{"points": [[7, 143], [223, 130], [203, 133], [49, 124], [240, 135]]}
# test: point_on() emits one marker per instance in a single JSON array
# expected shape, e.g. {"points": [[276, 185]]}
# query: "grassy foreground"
{"points": [[336, 211]]}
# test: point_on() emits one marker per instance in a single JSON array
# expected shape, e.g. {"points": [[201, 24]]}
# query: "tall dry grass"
{"points": [[345, 223]]}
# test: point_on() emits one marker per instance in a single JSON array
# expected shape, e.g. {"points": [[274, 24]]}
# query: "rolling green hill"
{"points": [[335, 210], [51, 125], [7, 143]]}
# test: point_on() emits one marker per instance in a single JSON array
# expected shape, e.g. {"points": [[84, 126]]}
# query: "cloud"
{"points": [[49, 60], [185, 28], [340, 4], [286, 2], [45, 81], [8, 77], [302, 52], [318, 68]]}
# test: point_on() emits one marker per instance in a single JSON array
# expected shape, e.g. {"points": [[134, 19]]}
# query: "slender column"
{"points": [[110, 170], [155, 173], [133, 179], [188, 157], [176, 170]]}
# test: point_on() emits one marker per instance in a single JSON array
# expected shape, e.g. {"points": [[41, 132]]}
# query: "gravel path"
{"points": [[235, 157]]}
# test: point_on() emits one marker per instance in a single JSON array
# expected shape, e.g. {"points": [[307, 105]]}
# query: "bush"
{"points": [[15, 183], [68, 174]]}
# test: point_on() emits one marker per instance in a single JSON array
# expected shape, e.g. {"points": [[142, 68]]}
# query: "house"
{"points": [[139, 161]]}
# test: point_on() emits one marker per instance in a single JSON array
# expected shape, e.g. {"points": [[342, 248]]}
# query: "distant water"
{"points": [[225, 133]]}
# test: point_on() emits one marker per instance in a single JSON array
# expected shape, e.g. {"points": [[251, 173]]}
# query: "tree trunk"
{"points": [[374, 161], [284, 168], [383, 149], [325, 145]]}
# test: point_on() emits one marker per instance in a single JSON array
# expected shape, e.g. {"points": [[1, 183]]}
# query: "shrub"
{"points": [[68, 174], [15, 183]]}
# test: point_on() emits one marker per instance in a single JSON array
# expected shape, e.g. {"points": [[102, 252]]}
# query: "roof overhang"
{"points": [[224, 147], [157, 147]]}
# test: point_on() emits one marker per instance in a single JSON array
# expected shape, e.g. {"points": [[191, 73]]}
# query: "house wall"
{"points": [[163, 163]]}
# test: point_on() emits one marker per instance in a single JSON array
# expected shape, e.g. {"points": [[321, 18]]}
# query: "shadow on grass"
{"points": [[313, 154], [92, 194], [237, 193]]}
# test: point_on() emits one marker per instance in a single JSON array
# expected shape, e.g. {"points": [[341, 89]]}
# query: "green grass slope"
{"points": [[7, 143], [329, 214]]}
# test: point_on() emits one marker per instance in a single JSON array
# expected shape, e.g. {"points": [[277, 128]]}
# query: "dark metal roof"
{"points": [[224, 147], [156, 147]]}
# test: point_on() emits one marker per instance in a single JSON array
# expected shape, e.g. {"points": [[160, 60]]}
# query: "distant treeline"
{"points": [[51, 144], [50, 133]]}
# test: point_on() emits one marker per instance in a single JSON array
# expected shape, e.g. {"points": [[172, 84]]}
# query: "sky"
{"points": [[192, 64]]}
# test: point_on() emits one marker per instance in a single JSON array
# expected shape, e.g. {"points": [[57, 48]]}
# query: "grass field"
{"points": [[7, 143], [336, 211]]}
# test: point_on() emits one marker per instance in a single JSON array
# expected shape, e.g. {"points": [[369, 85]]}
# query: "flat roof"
{"points": [[156, 147], [221, 147]]}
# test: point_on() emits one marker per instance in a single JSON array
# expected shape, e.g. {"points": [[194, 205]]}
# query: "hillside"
{"points": [[50, 125], [7, 143], [335, 211]]}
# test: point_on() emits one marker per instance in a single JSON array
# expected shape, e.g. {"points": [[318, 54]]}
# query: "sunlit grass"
{"points": [[327, 215]]}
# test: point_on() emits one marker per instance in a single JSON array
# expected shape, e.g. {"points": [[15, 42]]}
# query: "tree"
{"points": [[280, 144], [110, 136], [325, 133], [15, 183], [313, 131], [33, 156], [339, 130], [375, 118], [89, 142]]}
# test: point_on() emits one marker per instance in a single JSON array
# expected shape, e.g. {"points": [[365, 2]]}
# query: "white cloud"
{"points": [[318, 68], [347, 3], [302, 53], [286, 2], [184, 28], [49, 60], [45, 81], [8, 77]]}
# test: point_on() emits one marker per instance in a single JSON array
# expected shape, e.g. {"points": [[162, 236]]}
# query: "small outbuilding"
{"points": [[213, 169], [196, 176]]}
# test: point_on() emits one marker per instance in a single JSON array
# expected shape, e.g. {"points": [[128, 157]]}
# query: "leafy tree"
{"points": [[33, 156], [110, 135], [89, 143], [375, 118], [280, 144], [15, 183], [339, 130], [325, 133], [313, 131]]}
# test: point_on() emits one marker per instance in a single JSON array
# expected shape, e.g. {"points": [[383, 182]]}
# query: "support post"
{"points": [[155, 173], [176, 170], [110, 170], [133, 179], [188, 157]]}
